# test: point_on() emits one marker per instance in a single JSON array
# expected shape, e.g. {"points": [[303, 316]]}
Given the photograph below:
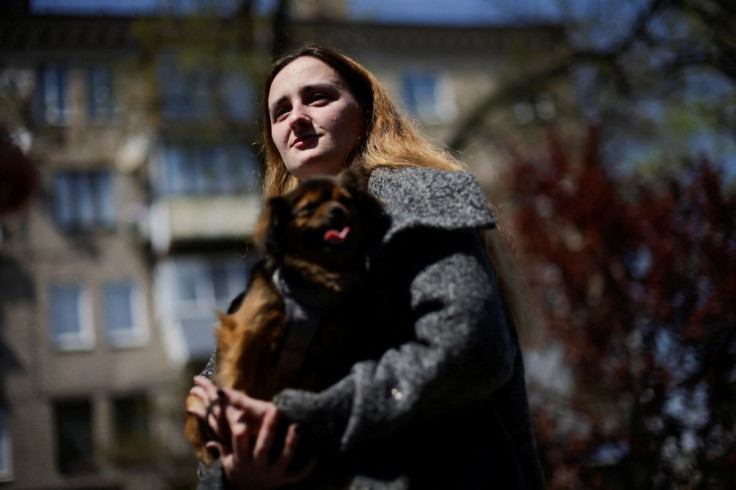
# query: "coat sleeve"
{"points": [[212, 477], [461, 351]]}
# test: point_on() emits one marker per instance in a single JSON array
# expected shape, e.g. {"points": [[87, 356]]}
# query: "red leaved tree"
{"points": [[636, 279]]}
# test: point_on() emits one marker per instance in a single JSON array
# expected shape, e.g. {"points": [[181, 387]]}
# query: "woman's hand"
{"points": [[245, 460], [212, 408], [245, 429]]}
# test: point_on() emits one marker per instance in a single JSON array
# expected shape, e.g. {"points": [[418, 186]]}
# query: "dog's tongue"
{"points": [[336, 236]]}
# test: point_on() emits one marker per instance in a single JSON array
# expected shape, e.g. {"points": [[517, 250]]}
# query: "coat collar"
{"points": [[418, 197]]}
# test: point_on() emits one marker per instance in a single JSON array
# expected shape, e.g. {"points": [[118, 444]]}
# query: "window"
{"points": [[189, 289], [203, 285], [185, 93], [70, 317], [427, 96], [53, 95], [74, 449], [207, 170], [124, 312], [193, 91], [238, 96], [100, 100], [200, 286], [6, 461], [84, 200], [131, 418]]}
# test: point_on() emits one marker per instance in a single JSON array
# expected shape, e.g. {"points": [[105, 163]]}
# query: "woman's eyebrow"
{"points": [[312, 87], [317, 86], [277, 102]]}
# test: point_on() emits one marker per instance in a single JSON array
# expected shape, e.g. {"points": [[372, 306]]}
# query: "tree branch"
{"points": [[724, 60]]}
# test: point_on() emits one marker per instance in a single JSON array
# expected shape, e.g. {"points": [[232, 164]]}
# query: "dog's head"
{"points": [[332, 222]]}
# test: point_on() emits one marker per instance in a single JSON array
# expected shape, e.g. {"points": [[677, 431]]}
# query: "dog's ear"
{"points": [[272, 224], [225, 320], [370, 208], [356, 182], [375, 214], [352, 179]]}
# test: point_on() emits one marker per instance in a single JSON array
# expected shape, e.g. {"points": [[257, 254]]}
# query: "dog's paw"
{"points": [[195, 431]]}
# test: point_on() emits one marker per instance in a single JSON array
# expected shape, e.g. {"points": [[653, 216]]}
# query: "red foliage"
{"points": [[637, 279]]}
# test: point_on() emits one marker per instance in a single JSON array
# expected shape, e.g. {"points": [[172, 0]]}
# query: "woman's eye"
{"points": [[318, 96], [280, 113]]}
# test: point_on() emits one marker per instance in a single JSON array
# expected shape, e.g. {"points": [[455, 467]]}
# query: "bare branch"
{"points": [[611, 58]]}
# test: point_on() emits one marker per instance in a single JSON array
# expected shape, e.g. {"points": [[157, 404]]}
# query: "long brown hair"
{"points": [[391, 138]]}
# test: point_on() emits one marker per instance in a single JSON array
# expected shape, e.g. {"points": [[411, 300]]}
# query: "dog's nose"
{"points": [[336, 211]]}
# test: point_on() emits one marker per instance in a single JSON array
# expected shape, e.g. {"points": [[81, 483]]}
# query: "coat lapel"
{"points": [[418, 197]]}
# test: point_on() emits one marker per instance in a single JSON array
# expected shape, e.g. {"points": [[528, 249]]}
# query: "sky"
{"points": [[456, 11], [460, 12]]}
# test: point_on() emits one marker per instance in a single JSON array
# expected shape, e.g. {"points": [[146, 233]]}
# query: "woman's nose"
{"points": [[298, 115]]}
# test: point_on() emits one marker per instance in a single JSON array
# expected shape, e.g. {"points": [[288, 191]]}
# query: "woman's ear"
{"points": [[270, 229]]}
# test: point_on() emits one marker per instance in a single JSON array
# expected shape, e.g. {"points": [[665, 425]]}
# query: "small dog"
{"points": [[315, 240]]}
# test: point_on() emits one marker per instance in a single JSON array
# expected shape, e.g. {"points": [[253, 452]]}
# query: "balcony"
{"points": [[180, 220]]}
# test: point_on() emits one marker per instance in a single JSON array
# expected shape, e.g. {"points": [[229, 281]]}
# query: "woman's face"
{"points": [[315, 119]]}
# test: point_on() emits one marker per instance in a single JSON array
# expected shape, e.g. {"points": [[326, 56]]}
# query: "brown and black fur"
{"points": [[290, 233]]}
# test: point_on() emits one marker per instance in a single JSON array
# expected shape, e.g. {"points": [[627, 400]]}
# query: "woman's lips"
{"points": [[303, 141]]}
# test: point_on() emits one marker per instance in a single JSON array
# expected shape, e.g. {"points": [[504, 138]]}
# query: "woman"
{"points": [[444, 404]]}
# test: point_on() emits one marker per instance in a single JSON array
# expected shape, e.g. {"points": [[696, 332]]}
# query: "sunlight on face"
{"points": [[315, 120]]}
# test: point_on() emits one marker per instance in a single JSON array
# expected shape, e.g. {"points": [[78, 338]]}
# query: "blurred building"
{"points": [[441, 73], [142, 131], [136, 234]]}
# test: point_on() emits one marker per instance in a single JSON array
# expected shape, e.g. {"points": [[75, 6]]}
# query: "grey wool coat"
{"points": [[439, 401]]}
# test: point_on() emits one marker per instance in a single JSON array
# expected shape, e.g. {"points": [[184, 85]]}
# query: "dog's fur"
{"points": [[303, 236]]}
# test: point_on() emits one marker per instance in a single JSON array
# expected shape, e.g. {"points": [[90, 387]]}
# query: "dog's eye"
{"points": [[307, 209], [346, 200]]}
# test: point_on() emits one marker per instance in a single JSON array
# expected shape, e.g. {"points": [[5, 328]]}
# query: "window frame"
{"points": [[185, 93], [54, 94], [108, 111], [205, 288], [89, 464], [135, 335], [194, 169], [441, 108], [84, 338], [71, 186], [132, 444], [189, 91]]}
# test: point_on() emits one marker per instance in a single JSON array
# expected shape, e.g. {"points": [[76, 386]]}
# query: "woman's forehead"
{"points": [[301, 72]]}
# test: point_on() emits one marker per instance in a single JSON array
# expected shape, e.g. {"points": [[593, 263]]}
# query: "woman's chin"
{"points": [[312, 168]]}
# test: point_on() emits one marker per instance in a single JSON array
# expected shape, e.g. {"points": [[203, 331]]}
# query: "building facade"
{"points": [[112, 273]]}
